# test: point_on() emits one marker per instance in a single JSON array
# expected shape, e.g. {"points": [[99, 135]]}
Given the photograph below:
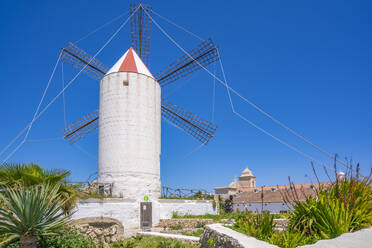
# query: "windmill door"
{"points": [[146, 215]]}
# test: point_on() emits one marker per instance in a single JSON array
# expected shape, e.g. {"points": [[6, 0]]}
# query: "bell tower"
{"points": [[247, 179]]}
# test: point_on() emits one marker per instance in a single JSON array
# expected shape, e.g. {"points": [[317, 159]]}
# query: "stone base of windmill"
{"points": [[127, 213], [101, 229]]}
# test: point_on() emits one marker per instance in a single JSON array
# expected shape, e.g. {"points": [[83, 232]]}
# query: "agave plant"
{"points": [[25, 175], [290, 239], [259, 225], [344, 206], [27, 213]]}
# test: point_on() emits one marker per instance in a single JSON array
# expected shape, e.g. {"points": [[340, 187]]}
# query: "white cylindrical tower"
{"points": [[129, 129]]}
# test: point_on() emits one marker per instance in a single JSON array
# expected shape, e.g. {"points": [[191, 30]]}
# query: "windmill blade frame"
{"points": [[80, 128], [202, 55], [141, 30], [192, 124], [78, 58]]}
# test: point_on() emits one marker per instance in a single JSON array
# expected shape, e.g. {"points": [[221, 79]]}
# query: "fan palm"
{"points": [[15, 175], [27, 213]]}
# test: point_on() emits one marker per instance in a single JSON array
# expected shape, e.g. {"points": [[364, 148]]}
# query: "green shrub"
{"points": [[177, 227], [175, 215], [69, 239], [200, 224], [150, 242], [211, 242], [287, 239], [215, 217], [197, 233], [227, 206], [260, 226], [345, 206], [64, 239]]}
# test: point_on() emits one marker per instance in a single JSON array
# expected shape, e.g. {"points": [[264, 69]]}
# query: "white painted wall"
{"points": [[191, 207], [128, 211], [129, 135], [125, 211]]}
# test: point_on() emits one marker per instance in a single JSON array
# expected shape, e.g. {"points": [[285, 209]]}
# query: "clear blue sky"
{"points": [[308, 63]]}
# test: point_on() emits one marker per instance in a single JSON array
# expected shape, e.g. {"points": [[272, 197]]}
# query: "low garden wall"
{"points": [[218, 236], [100, 229], [184, 223], [358, 239]]}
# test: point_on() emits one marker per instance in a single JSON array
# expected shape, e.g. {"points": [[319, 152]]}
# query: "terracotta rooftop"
{"points": [[274, 193]]}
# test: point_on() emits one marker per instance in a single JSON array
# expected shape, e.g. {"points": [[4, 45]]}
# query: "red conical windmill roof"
{"points": [[130, 62]]}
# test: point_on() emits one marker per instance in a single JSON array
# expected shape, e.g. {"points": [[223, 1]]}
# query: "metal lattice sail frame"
{"points": [[192, 124], [201, 56], [78, 58], [78, 129], [141, 30]]}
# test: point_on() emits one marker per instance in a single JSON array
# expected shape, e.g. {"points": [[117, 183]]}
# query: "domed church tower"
{"points": [[247, 179]]}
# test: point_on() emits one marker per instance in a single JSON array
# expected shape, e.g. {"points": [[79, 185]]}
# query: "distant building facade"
{"points": [[247, 196], [246, 182]]}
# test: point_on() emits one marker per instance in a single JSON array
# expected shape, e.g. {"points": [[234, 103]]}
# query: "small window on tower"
{"points": [[125, 82]]}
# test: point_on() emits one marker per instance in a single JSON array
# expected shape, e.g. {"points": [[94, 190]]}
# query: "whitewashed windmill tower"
{"points": [[131, 107], [129, 129]]}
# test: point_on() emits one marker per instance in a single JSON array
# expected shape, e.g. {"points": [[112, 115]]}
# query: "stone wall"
{"points": [[218, 236], [183, 231], [184, 223], [100, 229]]}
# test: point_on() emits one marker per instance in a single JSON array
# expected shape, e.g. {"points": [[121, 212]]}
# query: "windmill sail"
{"points": [[195, 126], [141, 30], [192, 124], [202, 55], [81, 60], [78, 129]]}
